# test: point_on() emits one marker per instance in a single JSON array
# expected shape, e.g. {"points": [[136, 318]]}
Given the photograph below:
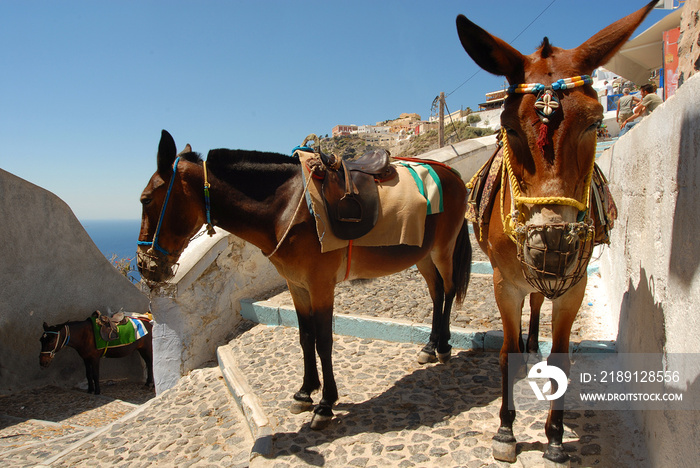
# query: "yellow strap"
{"points": [[509, 224], [206, 179]]}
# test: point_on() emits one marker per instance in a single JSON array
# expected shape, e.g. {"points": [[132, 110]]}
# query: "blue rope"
{"points": [[155, 244], [208, 204], [302, 148]]}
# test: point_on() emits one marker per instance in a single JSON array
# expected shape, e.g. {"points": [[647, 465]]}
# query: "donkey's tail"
{"points": [[462, 262]]}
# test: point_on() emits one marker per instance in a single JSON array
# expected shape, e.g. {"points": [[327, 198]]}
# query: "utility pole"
{"points": [[441, 121]]}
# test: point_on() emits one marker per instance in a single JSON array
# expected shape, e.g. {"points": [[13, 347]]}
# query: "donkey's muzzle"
{"points": [[154, 267], [554, 257]]}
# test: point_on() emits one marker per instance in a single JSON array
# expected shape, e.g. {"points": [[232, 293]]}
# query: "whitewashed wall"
{"points": [[651, 269], [201, 309]]}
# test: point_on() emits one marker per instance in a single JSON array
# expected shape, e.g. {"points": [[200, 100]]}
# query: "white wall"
{"points": [[651, 269], [51, 271], [201, 309], [467, 156]]}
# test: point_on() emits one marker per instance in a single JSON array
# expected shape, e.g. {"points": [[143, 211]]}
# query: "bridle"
{"points": [[56, 347], [579, 233], [154, 244], [514, 222]]}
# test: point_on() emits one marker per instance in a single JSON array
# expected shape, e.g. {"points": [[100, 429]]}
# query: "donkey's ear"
{"points": [[490, 52], [167, 152], [46, 326], [600, 49], [186, 149]]}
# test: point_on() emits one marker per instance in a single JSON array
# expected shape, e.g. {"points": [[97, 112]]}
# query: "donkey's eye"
{"points": [[146, 201], [594, 127]]}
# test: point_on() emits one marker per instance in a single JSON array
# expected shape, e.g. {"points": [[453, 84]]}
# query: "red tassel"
{"points": [[542, 137]]}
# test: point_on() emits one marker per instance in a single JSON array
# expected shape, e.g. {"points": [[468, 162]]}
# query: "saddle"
{"points": [[349, 190], [108, 324]]}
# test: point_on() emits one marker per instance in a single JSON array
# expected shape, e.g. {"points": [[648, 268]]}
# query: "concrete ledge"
{"points": [[248, 402], [403, 331]]}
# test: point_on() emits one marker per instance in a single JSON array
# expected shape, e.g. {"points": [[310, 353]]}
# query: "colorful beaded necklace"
{"points": [[547, 101]]}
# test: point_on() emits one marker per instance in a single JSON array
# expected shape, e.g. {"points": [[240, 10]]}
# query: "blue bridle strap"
{"points": [[155, 244], [57, 348]]}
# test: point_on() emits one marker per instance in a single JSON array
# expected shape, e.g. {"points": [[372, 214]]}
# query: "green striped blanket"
{"points": [[428, 183], [128, 333]]}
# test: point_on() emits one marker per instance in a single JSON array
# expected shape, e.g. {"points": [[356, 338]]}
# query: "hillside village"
{"points": [[409, 135]]}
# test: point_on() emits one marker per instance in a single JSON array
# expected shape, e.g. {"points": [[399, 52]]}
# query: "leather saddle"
{"points": [[350, 192], [108, 324]]}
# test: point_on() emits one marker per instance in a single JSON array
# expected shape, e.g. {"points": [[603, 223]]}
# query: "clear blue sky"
{"points": [[87, 86]]}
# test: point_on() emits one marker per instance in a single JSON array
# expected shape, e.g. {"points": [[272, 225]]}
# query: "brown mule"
{"points": [[539, 235], [81, 337], [254, 196]]}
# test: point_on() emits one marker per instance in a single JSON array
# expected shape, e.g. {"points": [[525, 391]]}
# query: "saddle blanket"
{"points": [[401, 217], [128, 333], [428, 184]]}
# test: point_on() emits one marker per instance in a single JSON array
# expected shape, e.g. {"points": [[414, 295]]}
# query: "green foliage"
{"points": [[460, 131], [345, 146], [473, 118], [454, 133]]}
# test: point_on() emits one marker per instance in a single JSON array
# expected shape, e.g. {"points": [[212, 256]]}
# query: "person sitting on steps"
{"points": [[625, 106], [650, 101]]}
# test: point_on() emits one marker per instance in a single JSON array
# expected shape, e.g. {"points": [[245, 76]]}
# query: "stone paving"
{"points": [[196, 423], [394, 412], [391, 411]]}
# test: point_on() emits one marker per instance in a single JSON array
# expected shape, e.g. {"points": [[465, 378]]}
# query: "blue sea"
{"points": [[115, 237]]}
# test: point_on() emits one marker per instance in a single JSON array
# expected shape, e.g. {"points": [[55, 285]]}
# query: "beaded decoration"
{"points": [[559, 85], [547, 101]]}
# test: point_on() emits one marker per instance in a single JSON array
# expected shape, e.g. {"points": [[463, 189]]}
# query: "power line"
{"points": [[511, 42], [467, 81], [532, 22]]}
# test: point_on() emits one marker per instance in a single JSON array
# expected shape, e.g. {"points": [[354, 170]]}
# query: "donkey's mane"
{"points": [[256, 173], [251, 160], [191, 157]]}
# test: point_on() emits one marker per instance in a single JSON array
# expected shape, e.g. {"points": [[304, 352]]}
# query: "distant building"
{"points": [[344, 130], [366, 129], [385, 131], [380, 138], [494, 100], [424, 127]]}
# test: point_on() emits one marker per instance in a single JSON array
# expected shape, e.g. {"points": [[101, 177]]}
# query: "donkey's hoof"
{"points": [[556, 457], [504, 451], [298, 407], [444, 357], [504, 444], [320, 421], [425, 357]]}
